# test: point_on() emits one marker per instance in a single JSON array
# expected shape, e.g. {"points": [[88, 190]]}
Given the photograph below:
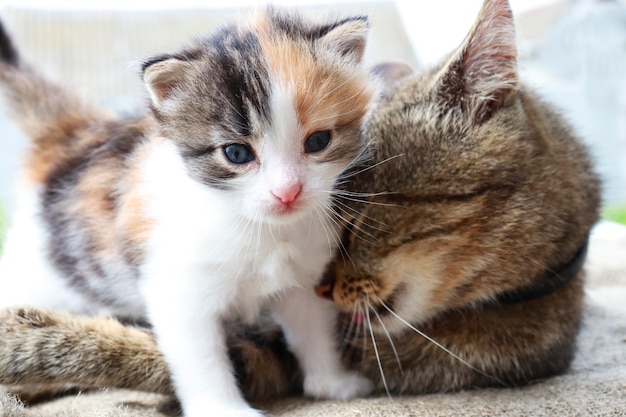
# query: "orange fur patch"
{"points": [[54, 145], [326, 97]]}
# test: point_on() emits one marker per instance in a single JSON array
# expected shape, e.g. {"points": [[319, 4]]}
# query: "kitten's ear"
{"points": [[348, 38], [162, 75], [481, 75]]}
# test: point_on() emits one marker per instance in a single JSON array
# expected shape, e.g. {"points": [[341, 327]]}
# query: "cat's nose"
{"points": [[325, 290], [288, 193]]}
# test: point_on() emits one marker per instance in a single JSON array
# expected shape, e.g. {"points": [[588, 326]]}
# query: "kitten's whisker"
{"points": [[375, 203], [363, 156], [308, 233], [355, 214], [349, 174], [359, 194], [330, 236], [439, 345], [345, 207], [330, 212], [380, 364], [359, 228]]}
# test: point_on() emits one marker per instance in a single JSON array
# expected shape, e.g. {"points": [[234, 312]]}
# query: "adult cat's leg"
{"points": [[309, 326]]}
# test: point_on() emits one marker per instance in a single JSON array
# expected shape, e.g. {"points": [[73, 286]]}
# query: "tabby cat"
{"points": [[461, 268], [216, 204]]}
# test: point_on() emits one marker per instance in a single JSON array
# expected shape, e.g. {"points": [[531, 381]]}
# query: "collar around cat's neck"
{"points": [[554, 281]]}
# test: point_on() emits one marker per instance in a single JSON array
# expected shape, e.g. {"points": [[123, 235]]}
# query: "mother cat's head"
{"points": [[480, 188]]}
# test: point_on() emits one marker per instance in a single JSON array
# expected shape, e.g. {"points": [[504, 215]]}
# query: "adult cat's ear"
{"points": [[347, 38], [481, 75], [162, 75]]}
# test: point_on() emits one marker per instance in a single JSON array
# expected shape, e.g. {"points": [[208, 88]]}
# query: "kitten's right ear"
{"points": [[163, 75], [348, 38]]}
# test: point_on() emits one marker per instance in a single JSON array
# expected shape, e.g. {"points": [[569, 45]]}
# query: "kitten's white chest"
{"points": [[285, 260]]}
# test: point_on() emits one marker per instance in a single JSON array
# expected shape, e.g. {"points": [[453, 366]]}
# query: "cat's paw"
{"points": [[341, 386], [214, 410]]}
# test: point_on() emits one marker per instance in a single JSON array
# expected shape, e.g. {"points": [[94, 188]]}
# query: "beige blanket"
{"points": [[594, 386]]}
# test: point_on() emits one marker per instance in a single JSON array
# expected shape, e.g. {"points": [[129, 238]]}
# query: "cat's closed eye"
{"points": [[238, 154], [317, 141]]}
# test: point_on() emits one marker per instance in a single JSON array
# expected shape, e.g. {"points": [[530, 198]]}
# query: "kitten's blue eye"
{"points": [[317, 141], [238, 154]]}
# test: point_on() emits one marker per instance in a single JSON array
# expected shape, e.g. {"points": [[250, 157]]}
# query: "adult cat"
{"points": [[480, 204], [216, 204]]}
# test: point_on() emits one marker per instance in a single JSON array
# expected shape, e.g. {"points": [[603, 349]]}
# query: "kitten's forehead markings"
{"points": [[290, 66]]}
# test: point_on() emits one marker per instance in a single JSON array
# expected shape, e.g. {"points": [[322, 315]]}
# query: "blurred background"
{"points": [[572, 51]]}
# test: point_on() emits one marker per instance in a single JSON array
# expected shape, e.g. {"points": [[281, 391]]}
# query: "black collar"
{"points": [[553, 281]]}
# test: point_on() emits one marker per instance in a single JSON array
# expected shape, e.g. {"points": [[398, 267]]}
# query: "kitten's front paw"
{"points": [[341, 386], [223, 412]]}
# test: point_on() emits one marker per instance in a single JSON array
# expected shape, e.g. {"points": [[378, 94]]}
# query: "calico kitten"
{"points": [[462, 265], [217, 203]]}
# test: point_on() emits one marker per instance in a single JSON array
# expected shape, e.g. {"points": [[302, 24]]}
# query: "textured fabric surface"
{"points": [[594, 386]]}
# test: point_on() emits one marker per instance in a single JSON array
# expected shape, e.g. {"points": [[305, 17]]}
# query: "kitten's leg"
{"points": [[190, 335], [309, 326]]}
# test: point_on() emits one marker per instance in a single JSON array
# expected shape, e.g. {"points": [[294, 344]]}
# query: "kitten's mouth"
{"points": [[285, 211]]}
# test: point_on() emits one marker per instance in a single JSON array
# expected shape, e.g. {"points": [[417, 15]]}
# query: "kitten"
{"points": [[217, 203], [469, 226]]}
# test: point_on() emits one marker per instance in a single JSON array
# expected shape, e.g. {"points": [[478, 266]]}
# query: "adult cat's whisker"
{"points": [[350, 340], [439, 345], [393, 346], [371, 331], [363, 335], [347, 336]]}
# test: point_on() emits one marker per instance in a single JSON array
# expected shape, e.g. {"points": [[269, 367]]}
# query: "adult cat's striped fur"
{"points": [[478, 189], [214, 205]]}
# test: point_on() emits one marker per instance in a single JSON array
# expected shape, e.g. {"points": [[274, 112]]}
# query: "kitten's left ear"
{"points": [[481, 75], [347, 38]]}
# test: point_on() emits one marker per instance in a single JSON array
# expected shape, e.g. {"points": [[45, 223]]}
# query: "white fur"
{"points": [[26, 278]]}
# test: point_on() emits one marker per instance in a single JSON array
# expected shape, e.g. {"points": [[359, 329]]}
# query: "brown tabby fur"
{"points": [[477, 187]]}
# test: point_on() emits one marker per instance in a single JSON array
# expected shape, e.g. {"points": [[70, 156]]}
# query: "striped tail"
{"points": [[50, 116]]}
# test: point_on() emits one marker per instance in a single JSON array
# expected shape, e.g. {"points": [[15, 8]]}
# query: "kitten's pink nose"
{"points": [[288, 194]]}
